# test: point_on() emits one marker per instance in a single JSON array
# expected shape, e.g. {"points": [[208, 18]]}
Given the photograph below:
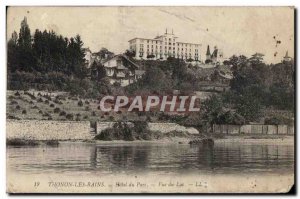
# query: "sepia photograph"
{"points": [[150, 99]]}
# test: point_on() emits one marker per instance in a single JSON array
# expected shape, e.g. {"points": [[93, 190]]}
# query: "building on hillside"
{"points": [[98, 57], [88, 57], [164, 46], [120, 69], [287, 58], [216, 57]]}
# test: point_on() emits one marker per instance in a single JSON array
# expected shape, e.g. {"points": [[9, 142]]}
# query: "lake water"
{"points": [[133, 158]]}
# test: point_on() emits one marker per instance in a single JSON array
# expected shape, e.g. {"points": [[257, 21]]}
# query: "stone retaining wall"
{"points": [[48, 130], [162, 127], [254, 129]]}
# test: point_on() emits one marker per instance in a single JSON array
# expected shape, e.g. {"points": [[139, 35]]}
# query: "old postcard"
{"points": [[150, 99]]}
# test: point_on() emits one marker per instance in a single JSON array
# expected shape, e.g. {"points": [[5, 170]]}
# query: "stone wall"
{"points": [[162, 127], [254, 129], [168, 127], [48, 130]]}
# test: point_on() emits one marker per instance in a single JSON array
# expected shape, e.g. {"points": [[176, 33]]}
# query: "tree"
{"points": [[12, 53], [98, 71], [130, 53], [25, 55]]}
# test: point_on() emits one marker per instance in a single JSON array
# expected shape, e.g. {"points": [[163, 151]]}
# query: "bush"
{"points": [[80, 103], [62, 113], [93, 113], [86, 117], [69, 116], [18, 107], [87, 108], [17, 93], [21, 142], [46, 101], [56, 110], [120, 131], [40, 100], [87, 102], [277, 120], [52, 105], [46, 115], [24, 112], [13, 102]]}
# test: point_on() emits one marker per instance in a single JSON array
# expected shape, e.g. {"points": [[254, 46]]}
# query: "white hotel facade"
{"points": [[164, 46]]}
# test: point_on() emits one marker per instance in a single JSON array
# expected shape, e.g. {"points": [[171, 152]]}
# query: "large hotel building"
{"points": [[164, 46]]}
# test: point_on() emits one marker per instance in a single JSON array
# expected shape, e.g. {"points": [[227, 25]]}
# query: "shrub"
{"points": [[17, 93], [13, 117], [24, 112], [46, 115], [85, 117], [111, 118], [40, 100], [80, 103], [119, 131], [21, 142], [69, 116], [93, 113], [78, 118], [31, 102], [52, 105], [35, 107], [87, 102], [62, 113], [52, 142], [46, 101], [18, 107], [11, 97], [87, 108], [98, 107], [40, 112], [13, 102], [56, 110]]}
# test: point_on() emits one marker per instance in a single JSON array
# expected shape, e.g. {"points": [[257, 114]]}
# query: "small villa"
{"points": [[120, 69]]}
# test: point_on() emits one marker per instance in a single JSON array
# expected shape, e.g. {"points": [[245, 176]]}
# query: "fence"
{"points": [[253, 129]]}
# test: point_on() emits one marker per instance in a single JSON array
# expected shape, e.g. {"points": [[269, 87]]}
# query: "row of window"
{"points": [[170, 42], [172, 55]]}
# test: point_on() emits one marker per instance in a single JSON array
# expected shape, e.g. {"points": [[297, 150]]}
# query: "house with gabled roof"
{"points": [[121, 69]]}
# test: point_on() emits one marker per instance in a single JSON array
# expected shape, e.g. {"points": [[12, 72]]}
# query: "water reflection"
{"points": [[135, 158]]}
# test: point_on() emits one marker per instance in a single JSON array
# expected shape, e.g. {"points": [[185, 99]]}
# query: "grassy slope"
{"points": [[36, 109]]}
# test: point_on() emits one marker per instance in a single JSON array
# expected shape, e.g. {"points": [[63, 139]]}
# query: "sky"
{"points": [[234, 30]]}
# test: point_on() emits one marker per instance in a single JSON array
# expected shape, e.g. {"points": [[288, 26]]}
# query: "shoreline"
{"points": [[286, 140]]}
